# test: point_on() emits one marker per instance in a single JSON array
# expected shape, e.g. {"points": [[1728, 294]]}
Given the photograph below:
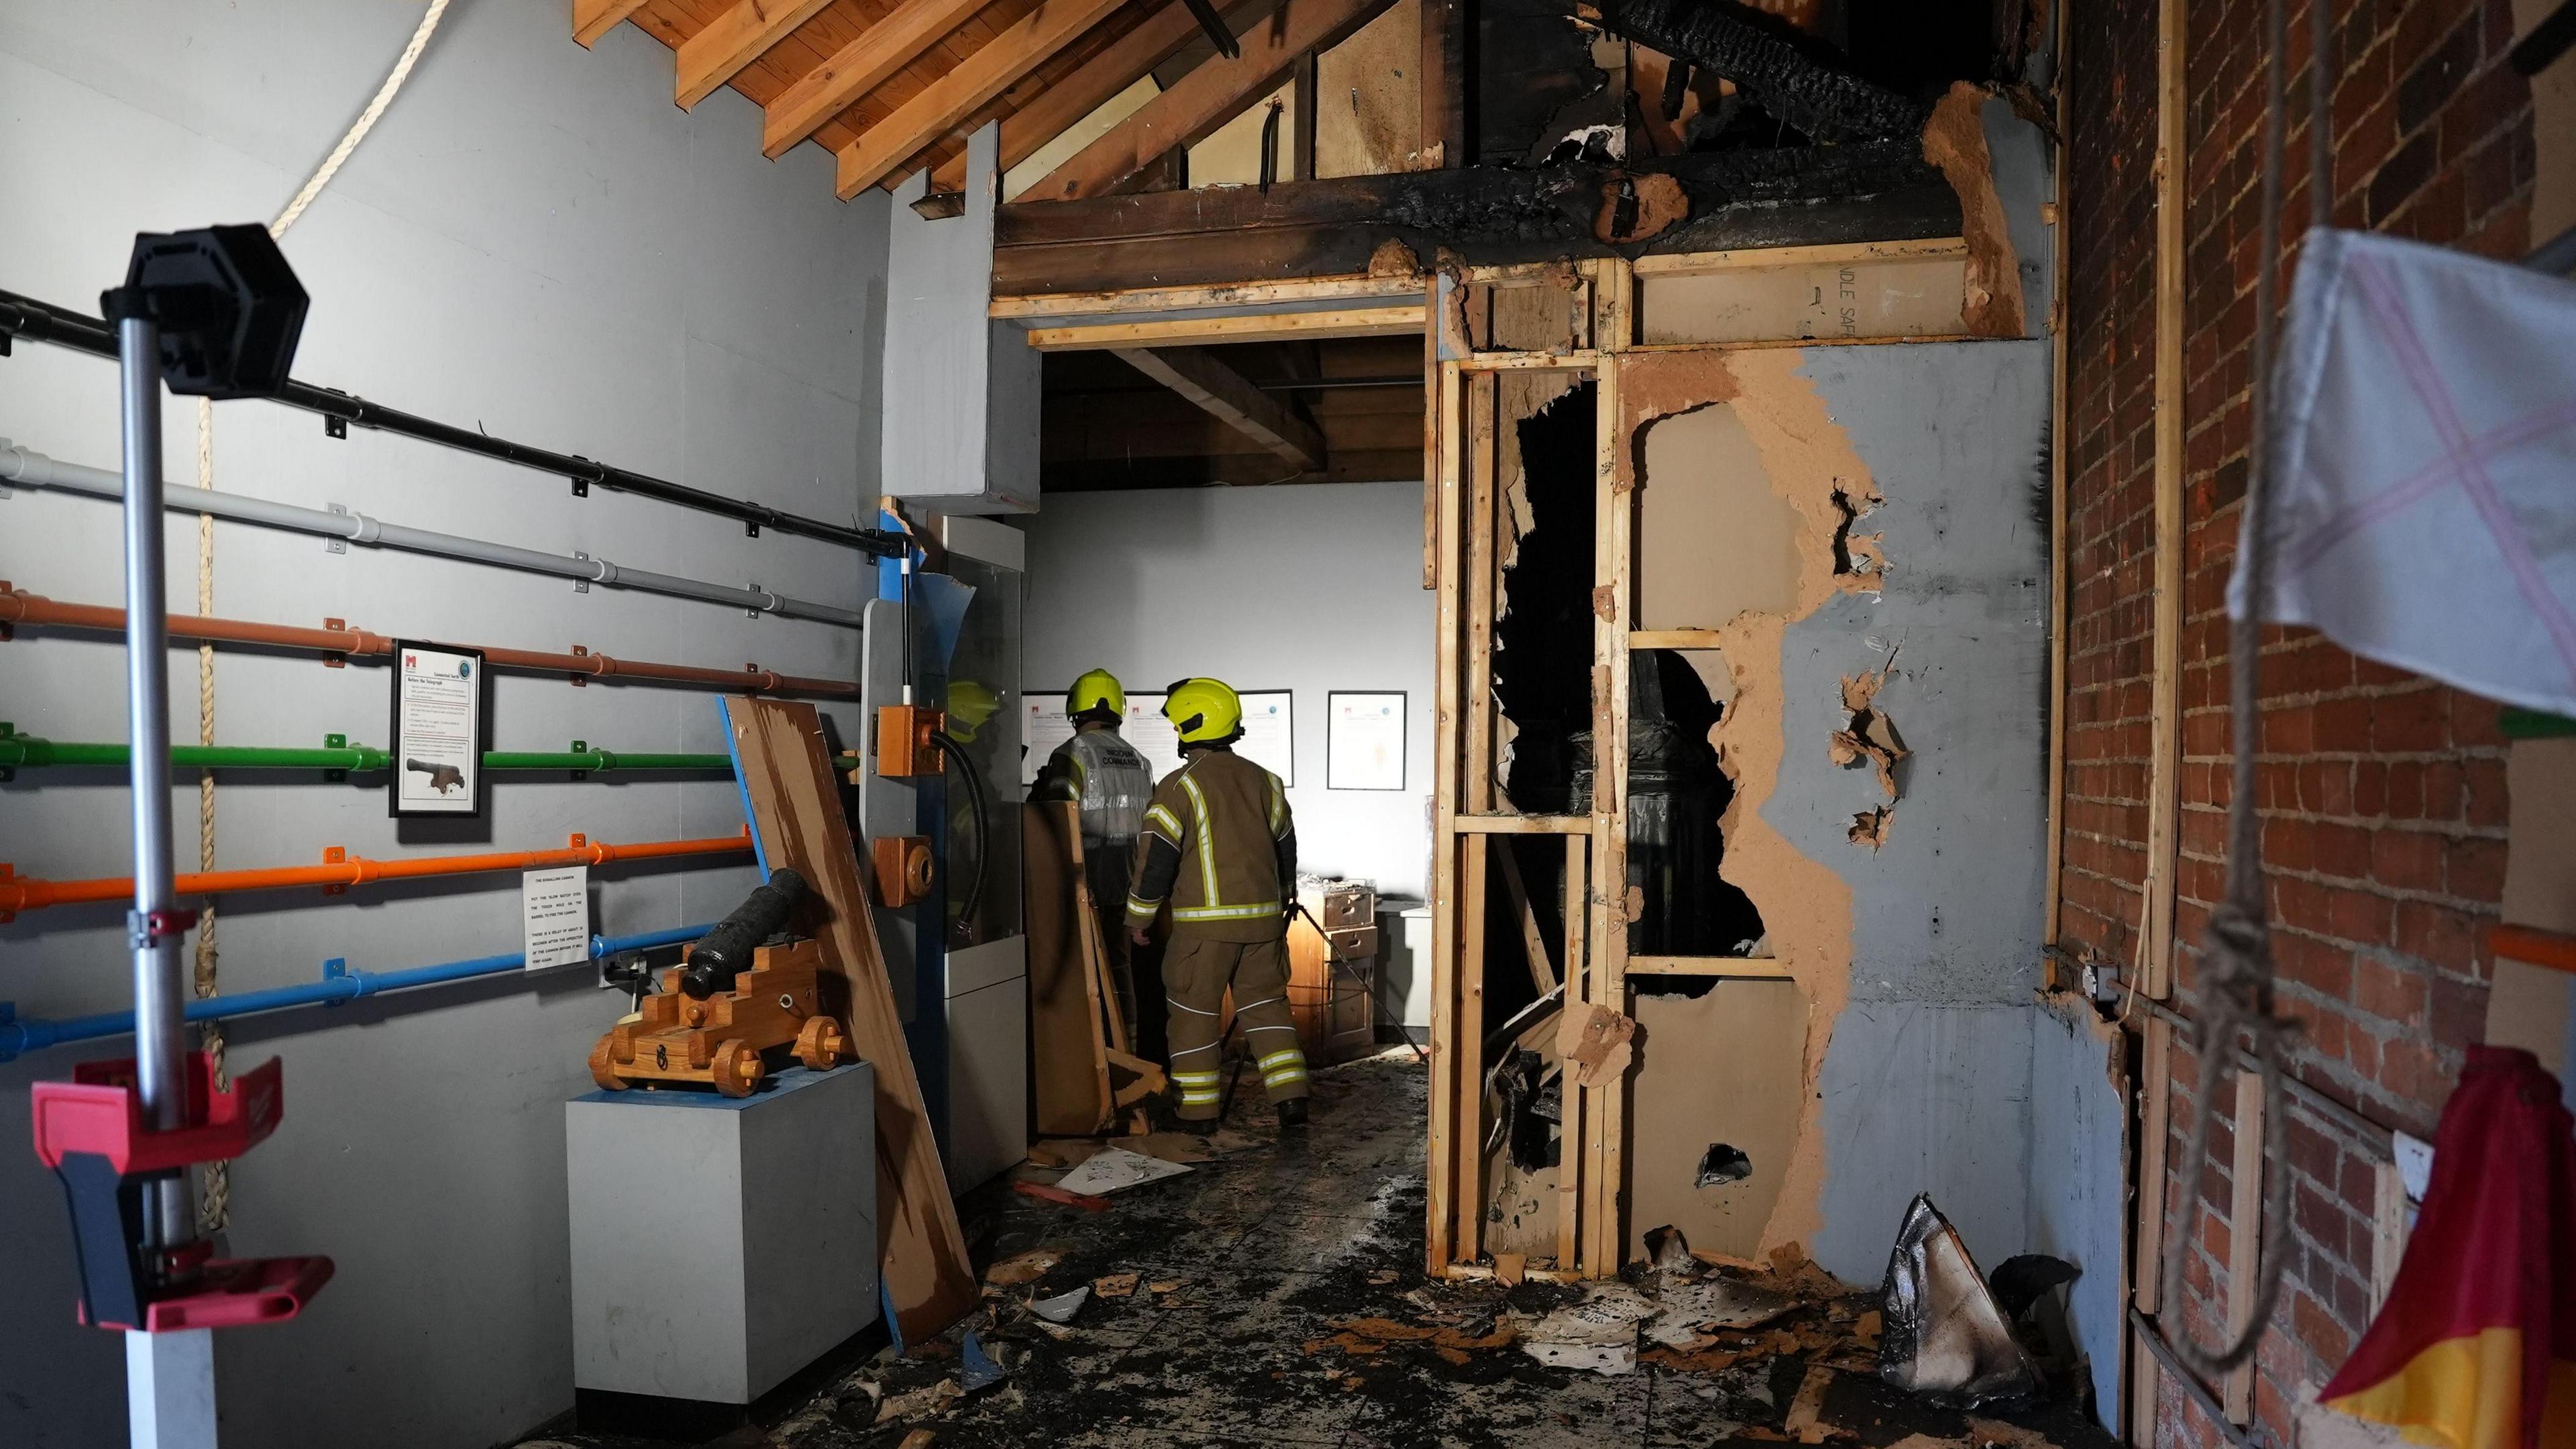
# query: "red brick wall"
{"points": [[2383, 794]]}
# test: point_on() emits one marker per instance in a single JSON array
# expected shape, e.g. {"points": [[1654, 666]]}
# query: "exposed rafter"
{"points": [[733, 40], [858, 68], [1207, 97], [886, 146], [1226, 396], [592, 19], [1055, 110]]}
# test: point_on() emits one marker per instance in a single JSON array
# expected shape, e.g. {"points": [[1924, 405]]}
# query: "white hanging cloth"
{"points": [[2424, 457]]}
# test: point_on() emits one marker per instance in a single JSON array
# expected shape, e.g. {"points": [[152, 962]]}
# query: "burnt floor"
{"points": [[1280, 1299]]}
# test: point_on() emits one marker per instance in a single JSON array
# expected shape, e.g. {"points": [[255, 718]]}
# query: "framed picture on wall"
{"points": [[1364, 739]]}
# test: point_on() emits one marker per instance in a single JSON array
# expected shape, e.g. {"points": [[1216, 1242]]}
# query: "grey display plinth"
{"points": [[720, 1244]]}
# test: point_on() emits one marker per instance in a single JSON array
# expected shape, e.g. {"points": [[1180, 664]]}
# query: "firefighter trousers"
{"points": [[1196, 974]]}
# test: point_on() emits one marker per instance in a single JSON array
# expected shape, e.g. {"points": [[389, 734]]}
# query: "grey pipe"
{"points": [[160, 1030], [26, 466]]}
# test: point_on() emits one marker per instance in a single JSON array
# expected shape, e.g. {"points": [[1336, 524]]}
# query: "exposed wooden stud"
{"points": [[1675, 639], [1394, 321], [2053, 874], [1613, 583], [592, 19], [735, 39], [1523, 824], [1482, 571], [1468, 1049], [1686, 264], [1444, 85], [2143, 1372], [883, 148], [1533, 941], [2244, 1236], [1571, 360], [1432, 430], [858, 68], [1578, 906], [2164, 732], [2387, 1230], [1226, 396], [2147, 1207], [1440, 1229], [1748, 968], [1183, 299], [1301, 140], [1206, 98]]}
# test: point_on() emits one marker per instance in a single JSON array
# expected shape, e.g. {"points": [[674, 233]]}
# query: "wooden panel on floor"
{"points": [[796, 808]]}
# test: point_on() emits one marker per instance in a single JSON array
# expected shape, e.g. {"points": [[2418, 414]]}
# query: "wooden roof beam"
{"points": [[733, 40], [1206, 98], [887, 145], [1229, 398], [592, 19], [858, 68], [1128, 60]]}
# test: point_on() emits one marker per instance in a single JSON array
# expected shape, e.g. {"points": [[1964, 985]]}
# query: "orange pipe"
{"points": [[2533, 946], [23, 608], [340, 870]]}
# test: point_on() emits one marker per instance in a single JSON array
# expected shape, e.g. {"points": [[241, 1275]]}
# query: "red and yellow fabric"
{"points": [[2476, 1346]]}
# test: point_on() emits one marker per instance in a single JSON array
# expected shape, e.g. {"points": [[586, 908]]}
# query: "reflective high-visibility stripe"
{"points": [[1196, 1099], [1142, 909], [1194, 1079], [1291, 1054], [1281, 1079], [1157, 815], [1265, 1001], [1192, 1051], [1254, 911], [1207, 855], [1185, 1006], [1249, 1029], [1278, 809]]}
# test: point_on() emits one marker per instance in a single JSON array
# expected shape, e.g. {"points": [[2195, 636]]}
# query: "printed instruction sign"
{"points": [[437, 748], [554, 912], [1269, 737], [1364, 740], [1045, 728]]}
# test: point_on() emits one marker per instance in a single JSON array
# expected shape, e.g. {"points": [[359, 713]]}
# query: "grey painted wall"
{"points": [[534, 239], [1927, 1077], [1311, 587]]}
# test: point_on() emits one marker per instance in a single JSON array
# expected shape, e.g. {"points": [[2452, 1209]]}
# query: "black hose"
{"points": [[983, 833]]}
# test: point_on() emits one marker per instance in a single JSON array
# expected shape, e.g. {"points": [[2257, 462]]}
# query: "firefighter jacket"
{"points": [[1220, 846], [1109, 780]]}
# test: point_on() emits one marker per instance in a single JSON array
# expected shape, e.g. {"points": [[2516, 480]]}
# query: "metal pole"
{"points": [[160, 1037]]}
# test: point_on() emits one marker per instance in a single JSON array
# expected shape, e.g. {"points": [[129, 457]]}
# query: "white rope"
{"points": [[216, 1208]]}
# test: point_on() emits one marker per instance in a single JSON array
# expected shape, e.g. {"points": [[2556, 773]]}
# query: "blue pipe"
{"points": [[338, 984]]}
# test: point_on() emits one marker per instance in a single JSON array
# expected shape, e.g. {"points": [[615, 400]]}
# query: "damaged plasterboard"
{"points": [[1704, 481], [1897, 296], [1723, 1069], [1925, 1084], [1869, 734], [1954, 141], [1595, 1045]]}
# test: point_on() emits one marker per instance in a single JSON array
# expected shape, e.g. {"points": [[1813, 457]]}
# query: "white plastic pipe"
{"points": [[27, 467]]}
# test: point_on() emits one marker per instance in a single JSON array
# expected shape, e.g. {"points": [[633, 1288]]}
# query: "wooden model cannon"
{"points": [[713, 1020]]}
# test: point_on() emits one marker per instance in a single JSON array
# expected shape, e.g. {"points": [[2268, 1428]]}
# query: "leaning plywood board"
{"points": [[1070, 1075], [1723, 1070], [796, 808]]}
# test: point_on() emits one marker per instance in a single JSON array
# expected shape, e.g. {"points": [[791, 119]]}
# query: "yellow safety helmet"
{"points": [[1097, 689], [1203, 711], [970, 703]]}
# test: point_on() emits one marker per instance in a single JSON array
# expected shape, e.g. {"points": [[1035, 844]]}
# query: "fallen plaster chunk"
{"points": [[1062, 1307], [1596, 1332], [927, 1403], [1024, 1268], [1116, 1285], [1806, 1422], [1869, 827], [1115, 1168], [1597, 1046], [1691, 1310]]}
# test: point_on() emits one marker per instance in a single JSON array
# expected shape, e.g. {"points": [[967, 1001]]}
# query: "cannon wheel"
{"points": [[822, 1045], [602, 1069], [738, 1067]]}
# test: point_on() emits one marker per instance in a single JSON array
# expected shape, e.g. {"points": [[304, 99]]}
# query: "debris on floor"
{"points": [[1946, 1334], [1115, 1168], [1275, 1295]]}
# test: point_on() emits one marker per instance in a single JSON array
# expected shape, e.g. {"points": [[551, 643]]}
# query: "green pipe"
{"points": [[26, 752]]}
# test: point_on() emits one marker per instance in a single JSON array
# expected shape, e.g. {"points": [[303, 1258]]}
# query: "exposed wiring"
{"points": [[215, 1210]]}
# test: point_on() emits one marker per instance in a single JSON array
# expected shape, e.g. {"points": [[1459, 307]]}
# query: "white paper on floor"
{"points": [[1115, 1168]]}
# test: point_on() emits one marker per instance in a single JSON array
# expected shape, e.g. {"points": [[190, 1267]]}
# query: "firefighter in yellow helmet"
{"points": [[1112, 784], [1220, 847]]}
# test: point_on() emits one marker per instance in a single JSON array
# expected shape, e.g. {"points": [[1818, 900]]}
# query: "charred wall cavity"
{"points": [[1542, 664]]}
